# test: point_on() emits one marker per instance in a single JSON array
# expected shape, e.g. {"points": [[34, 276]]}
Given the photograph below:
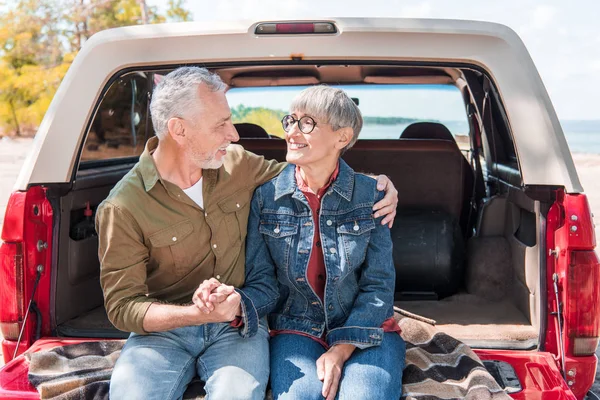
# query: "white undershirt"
{"points": [[194, 192]]}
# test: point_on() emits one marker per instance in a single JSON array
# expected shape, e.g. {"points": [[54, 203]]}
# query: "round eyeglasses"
{"points": [[306, 124]]}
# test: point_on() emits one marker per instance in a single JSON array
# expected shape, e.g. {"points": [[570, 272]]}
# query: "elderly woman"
{"points": [[332, 327]]}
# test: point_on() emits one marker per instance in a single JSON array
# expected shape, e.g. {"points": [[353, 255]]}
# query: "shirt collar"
{"points": [[147, 167], [343, 184]]}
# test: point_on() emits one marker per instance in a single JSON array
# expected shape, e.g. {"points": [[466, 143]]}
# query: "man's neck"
{"points": [[172, 166], [317, 176]]}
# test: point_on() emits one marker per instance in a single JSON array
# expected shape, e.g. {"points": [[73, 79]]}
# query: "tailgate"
{"points": [[538, 374], [14, 383]]}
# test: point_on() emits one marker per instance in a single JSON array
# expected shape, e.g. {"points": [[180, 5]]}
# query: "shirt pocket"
{"points": [[354, 235], [173, 244], [235, 210]]}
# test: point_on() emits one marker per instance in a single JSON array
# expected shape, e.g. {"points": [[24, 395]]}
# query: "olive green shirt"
{"points": [[157, 245]]}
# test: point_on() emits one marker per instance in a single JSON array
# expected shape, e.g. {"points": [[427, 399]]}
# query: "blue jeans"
{"points": [[372, 373], [161, 365]]}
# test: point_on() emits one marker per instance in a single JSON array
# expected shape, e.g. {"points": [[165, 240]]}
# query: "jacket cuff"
{"points": [[358, 336], [249, 316]]}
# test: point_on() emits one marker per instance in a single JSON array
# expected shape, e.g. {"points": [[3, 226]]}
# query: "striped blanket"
{"points": [[437, 367]]}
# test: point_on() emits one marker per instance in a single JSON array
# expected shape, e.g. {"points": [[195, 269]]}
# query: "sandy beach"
{"points": [[14, 151]]}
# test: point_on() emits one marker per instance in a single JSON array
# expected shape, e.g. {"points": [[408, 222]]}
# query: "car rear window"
{"points": [[387, 109]]}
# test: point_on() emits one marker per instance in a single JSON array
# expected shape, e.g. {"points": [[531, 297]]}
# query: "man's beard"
{"points": [[202, 161]]}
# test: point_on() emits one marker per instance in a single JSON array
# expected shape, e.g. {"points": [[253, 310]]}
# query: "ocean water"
{"points": [[582, 136]]}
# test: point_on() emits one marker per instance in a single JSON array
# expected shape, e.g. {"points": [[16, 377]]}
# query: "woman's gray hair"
{"points": [[177, 95], [332, 106]]}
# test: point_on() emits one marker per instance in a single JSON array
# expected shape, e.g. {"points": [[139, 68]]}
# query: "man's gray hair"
{"points": [[177, 94], [332, 106]]}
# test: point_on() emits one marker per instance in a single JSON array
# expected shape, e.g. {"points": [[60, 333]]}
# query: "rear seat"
{"points": [[429, 176]]}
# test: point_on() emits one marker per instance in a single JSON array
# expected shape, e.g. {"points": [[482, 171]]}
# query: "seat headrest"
{"points": [[247, 130], [427, 130]]}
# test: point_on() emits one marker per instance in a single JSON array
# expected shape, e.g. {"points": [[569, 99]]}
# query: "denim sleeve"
{"points": [[374, 303], [259, 293]]}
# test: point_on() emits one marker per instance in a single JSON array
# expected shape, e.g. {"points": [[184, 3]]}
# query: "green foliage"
{"points": [[268, 118], [39, 40], [177, 12]]}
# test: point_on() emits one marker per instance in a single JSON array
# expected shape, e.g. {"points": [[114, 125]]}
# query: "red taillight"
{"points": [[582, 308], [285, 28]]}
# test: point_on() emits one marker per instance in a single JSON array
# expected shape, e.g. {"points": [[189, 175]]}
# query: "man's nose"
{"points": [[233, 134]]}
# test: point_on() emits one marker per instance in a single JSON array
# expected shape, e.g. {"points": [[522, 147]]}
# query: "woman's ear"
{"points": [[344, 137], [176, 129]]}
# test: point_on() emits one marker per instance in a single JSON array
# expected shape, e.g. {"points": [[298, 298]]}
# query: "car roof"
{"points": [[543, 155]]}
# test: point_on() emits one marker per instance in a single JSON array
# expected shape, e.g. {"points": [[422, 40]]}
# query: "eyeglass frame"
{"points": [[298, 122]]}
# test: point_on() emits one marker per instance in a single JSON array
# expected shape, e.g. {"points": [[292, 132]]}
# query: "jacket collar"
{"points": [[344, 184]]}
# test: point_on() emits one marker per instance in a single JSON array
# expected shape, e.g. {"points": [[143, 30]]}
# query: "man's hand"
{"points": [[329, 368], [387, 205], [209, 293], [224, 311]]}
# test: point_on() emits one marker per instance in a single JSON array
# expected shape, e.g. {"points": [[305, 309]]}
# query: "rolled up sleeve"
{"points": [[123, 260]]}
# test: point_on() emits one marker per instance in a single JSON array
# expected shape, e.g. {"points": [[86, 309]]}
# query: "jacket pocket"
{"points": [[171, 243], [354, 235], [277, 229]]}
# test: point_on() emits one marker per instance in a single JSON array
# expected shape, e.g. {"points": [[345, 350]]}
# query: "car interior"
{"points": [[467, 236]]}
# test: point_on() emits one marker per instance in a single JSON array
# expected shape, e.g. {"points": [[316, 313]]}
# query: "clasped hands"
{"points": [[217, 301]]}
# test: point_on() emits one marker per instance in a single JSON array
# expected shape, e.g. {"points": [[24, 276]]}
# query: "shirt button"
{"points": [[174, 238], [206, 214], [237, 205], [329, 222], [214, 246], [218, 276], [332, 250]]}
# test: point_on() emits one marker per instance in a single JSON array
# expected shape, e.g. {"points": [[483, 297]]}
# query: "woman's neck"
{"points": [[317, 176]]}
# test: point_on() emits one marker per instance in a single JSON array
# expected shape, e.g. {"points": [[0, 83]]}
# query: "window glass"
{"points": [[121, 125], [387, 109]]}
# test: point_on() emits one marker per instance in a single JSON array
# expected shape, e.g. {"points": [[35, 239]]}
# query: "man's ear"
{"points": [[176, 129], [344, 137]]}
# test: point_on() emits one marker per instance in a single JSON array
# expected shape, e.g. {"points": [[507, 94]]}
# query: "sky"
{"points": [[560, 35]]}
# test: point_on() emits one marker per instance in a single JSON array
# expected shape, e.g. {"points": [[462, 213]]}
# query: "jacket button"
{"points": [[356, 227], [329, 222], [237, 205], [276, 230], [330, 307], [332, 250], [214, 246], [174, 238]]}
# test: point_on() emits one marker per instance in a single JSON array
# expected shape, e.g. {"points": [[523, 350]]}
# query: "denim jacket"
{"points": [[357, 249]]}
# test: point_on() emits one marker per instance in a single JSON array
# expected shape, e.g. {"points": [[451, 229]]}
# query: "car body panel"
{"points": [[543, 154]]}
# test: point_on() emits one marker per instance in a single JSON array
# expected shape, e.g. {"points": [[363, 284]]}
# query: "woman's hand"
{"points": [[387, 205], [329, 368]]}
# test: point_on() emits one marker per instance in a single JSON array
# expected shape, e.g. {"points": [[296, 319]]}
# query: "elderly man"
{"points": [[177, 219]]}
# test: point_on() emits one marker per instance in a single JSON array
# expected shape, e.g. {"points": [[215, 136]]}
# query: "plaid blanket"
{"points": [[437, 367]]}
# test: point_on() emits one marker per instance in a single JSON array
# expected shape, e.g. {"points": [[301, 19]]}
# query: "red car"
{"points": [[493, 239]]}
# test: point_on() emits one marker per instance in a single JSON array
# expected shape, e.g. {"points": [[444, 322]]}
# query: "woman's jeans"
{"points": [[160, 365], [372, 373]]}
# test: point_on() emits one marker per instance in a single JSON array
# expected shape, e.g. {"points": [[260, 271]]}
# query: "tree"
{"points": [[40, 38]]}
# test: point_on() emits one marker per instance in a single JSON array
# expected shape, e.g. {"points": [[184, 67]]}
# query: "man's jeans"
{"points": [[372, 373], [160, 365]]}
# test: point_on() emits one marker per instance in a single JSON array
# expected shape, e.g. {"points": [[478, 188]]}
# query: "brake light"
{"points": [[284, 28]]}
